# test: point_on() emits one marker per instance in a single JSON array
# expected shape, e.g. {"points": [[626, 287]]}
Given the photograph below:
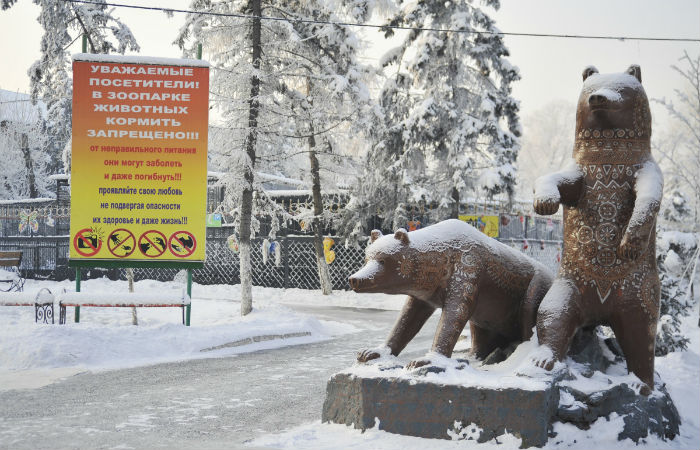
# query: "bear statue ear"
{"points": [[588, 71], [402, 235], [635, 71], [374, 235]]}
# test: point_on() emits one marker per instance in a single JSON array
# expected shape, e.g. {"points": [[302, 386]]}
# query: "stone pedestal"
{"points": [[431, 410], [443, 400]]}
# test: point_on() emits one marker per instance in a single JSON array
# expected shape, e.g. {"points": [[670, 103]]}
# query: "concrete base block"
{"points": [[432, 410]]}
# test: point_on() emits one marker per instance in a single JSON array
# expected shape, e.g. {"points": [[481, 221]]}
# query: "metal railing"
{"points": [[47, 258]]}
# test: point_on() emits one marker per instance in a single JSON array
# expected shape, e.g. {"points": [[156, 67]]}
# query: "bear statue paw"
{"points": [[370, 354], [367, 355], [546, 206], [642, 388], [541, 357], [544, 363], [416, 363], [630, 248]]}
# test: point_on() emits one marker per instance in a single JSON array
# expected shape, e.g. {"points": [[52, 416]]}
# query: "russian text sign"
{"points": [[139, 158]]}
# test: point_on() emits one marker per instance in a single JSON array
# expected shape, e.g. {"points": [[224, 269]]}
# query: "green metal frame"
{"points": [[135, 264]]}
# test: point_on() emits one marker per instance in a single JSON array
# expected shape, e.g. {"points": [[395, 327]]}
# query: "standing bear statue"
{"points": [[453, 266], [611, 193]]}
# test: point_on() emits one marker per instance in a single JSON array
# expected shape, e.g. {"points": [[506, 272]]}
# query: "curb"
{"points": [[251, 340]]}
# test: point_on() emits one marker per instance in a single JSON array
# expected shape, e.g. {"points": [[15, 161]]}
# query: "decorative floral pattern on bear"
{"points": [[611, 193]]}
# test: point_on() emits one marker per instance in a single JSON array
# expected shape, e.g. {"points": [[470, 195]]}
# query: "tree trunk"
{"points": [[323, 275], [455, 205], [31, 180], [251, 142], [130, 278]]}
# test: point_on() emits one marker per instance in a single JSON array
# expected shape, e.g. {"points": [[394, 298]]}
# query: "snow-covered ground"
{"points": [[32, 355]]}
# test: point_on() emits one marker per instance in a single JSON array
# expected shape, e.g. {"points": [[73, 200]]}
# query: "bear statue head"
{"points": [[385, 266], [612, 107]]}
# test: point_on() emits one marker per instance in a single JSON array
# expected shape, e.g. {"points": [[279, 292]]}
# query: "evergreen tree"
{"points": [[675, 252], [450, 124], [676, 208], [673, 308], [63, 23]]}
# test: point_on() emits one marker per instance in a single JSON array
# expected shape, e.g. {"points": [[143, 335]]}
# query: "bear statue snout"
{"points": [[355, 283], [605, 99], [597, 101], [359, 284]]}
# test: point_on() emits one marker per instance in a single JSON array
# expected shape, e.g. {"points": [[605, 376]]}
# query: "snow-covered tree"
{"points": [[23, 173], [450, 124], [296, 88], [676, 207], [64, 23], [679, 154], [675, 254]]}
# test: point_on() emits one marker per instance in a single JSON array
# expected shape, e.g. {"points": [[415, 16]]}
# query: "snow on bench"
{"points": [[120, 300], [42, 301], [10, 277]]}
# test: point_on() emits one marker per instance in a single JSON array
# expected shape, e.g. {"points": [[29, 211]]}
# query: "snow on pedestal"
{"points": [[451, 399]]}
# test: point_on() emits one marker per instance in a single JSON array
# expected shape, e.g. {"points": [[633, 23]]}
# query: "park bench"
{"points": [[119, 300], [10, 276], [42, 301]]}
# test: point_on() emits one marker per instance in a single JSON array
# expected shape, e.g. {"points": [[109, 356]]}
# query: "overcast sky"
{"points": [[550, 67]]}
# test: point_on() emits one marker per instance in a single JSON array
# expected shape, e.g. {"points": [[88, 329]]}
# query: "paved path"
{"points": [[210, 403]]}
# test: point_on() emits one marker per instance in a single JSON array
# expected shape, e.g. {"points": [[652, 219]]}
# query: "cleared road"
{"points": [[209, 403]]}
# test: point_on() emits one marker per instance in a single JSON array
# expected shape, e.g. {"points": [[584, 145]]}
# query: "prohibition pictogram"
{"points": [[121, 243], [182, 244], [87, 243], [152, 243]]}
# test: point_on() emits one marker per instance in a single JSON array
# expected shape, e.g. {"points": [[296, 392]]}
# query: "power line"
{"points": [[393, 27]]}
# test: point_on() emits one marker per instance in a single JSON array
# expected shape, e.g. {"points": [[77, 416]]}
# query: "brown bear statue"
{"points": [[611, 193], [453, 266]]}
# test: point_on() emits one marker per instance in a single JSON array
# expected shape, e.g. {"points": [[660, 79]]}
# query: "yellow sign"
{"points": [[139, 158], [486, 224]]}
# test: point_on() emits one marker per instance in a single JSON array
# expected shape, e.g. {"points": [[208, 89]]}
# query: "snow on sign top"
{"points": [[133, 59]]}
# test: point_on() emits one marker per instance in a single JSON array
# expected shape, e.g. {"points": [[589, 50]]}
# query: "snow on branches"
{"points": [[313, 93], [63, 24], [450, 125]]}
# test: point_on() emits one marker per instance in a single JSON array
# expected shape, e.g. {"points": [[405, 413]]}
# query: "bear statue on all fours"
{"points": [[611, 193], [453, 266]]}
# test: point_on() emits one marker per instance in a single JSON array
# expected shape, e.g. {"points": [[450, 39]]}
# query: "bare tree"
{"points": [[547, 142], [679, 154], [22, 140]]}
